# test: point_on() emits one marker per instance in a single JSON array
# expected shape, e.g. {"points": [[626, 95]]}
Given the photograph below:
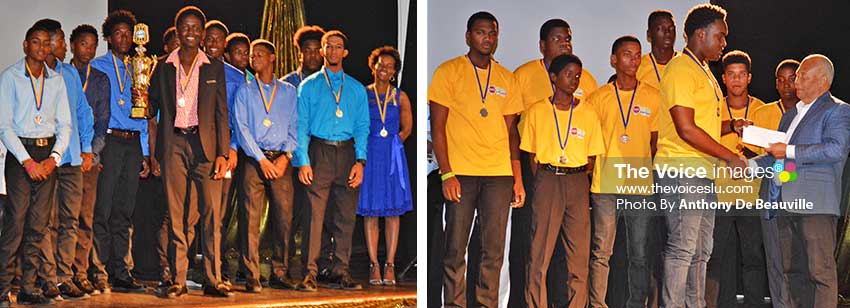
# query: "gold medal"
{"points": [[267, 103], [120, 102], [563, 159], [38, 119], [338, 112], [337, 95], [625, 138], [484, 112], [384, 132], [181, 102], [267, 122]]}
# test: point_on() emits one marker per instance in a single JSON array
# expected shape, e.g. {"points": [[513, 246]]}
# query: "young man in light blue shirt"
{"points": [[35, 126]]}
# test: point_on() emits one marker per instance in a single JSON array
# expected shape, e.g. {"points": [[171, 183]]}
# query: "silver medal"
{"points": [[625, 138], [384, 132], [181, 102]]}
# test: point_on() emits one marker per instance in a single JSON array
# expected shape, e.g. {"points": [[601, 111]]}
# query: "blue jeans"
{"points": [[689, 244]]}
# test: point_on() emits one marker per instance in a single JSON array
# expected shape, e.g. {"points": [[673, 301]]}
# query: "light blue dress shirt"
{"points": [[82, 120], [250, 113], [119, 117]]}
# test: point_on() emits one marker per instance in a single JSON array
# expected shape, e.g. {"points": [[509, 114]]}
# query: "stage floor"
{"points": [[403, 295]]}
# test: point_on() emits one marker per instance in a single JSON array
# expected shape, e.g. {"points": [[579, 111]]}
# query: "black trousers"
{"points": [[184, 164], [255, 189], [113, 212], [25, 220], [734, 232], [436, 239], [490, 197], [60, 247], [331, 167]]}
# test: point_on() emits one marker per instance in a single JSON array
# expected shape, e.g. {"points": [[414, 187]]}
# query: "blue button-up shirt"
{"points": [[82, 121], [119, 117], [234, 78], [294, 78], [250, 113], [97, 94], [17, 118], [317, 113]]}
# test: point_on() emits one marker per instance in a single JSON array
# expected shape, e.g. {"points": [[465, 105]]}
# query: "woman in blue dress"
{"points": [[385, 191]]}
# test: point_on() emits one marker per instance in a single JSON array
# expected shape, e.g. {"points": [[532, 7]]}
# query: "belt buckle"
{"points": [[41, 142], [560, 170]]}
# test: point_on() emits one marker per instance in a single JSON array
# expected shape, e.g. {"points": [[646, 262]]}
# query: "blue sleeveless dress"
{"points": [[385, 191]]}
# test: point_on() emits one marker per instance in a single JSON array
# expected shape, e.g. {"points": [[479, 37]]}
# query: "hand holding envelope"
{"points": [[772, 141]]}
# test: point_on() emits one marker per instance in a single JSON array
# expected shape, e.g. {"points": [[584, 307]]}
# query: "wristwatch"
{"points": [[362, 162], [57, 158]]}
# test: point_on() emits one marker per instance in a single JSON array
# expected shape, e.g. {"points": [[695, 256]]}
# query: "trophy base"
{"points": [[138, 113]]}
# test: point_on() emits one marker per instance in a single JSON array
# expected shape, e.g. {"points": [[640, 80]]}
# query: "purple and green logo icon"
{"points": [[787, 172]]}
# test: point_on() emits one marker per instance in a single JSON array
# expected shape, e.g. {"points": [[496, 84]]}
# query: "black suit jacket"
{"points": [[212, 108]]}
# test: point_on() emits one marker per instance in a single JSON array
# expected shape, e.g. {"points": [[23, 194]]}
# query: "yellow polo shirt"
{"points": [[769, 115], [540, 135], [637, 152], [477, 146], [646, 73], [685, 84], [732, 140], [535, 86]]}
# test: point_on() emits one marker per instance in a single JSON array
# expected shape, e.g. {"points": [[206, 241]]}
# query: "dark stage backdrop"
{"points": [[368, 25], [771, 31]]}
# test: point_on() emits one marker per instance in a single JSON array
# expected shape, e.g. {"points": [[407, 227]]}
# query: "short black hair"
{"points": [[612, 78], [236, 38], [560, 62], [83, 29], [307, 33], [189, 10], [32, 30], [480, 16], [787, 63], [737, 57], [264, 43], [169, 34], [622, 40], [385, 50], [215, 23], [336, 33], [551, 24], [51, 25], [657, 15], [701, 16], [116, 18]]}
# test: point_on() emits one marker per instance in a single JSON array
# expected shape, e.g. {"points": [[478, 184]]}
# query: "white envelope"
{"points": [[762, 137]]}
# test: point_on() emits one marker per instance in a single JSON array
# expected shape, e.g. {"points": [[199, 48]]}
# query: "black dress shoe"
{"points": [[127, 285], [85, 285], [344, 282], [325, 275], [5, 302], [25, 298], [165, 277], [253, 286], [69, 290], [50, 290], [282, 282], [173, 291], [219, 290], [309, 284]]}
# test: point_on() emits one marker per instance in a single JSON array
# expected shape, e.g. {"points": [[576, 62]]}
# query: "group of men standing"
{"points": [[75, 156], [662, 109]]}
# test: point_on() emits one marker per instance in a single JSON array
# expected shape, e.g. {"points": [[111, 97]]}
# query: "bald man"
{"points": [[815, 148]]}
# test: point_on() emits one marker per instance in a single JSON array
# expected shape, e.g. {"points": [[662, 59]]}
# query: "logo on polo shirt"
{"points": [[578, 132], [497, 90], [644, 111]]}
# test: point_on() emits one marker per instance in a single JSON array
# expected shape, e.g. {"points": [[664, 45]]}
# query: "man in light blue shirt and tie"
{"points": [[35, 126], [333, 125], [77, 159], [265, 113]]}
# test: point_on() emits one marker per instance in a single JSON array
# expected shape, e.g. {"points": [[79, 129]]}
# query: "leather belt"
{"points": [[272, 155], [563, 170], [191, 130], [123, 134], [333, 143], [38, 142]]}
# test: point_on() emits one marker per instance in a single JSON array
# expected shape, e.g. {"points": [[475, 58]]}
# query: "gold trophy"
{"points": [[141, 70]]}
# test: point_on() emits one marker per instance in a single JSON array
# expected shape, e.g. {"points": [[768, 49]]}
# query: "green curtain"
{"points": [[281, 18]]}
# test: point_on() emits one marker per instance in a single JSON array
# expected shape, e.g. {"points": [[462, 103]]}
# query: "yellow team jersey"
{"points": [[688, 84], [649, 74], [769, 115], [731, 140], [583, 134], [624, 145], [477, 145], [535, 86]]}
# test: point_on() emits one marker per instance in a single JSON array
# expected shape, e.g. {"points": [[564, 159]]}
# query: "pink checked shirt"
{"points": [[187, 116]]}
